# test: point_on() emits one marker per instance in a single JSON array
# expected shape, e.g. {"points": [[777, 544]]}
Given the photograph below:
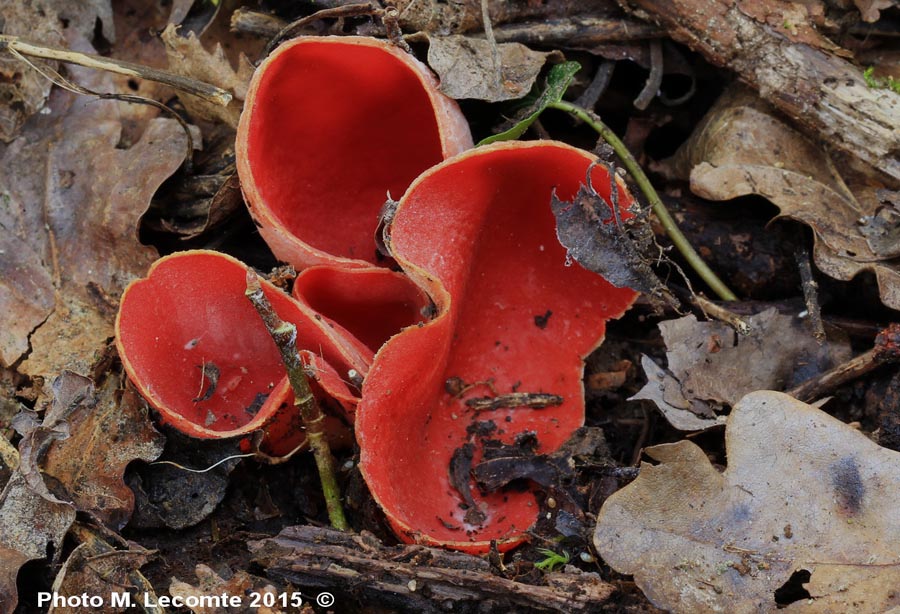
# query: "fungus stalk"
{"points": [[284, 334]]}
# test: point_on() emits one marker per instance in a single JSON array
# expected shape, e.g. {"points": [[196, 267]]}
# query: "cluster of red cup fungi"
{"points": [[485, 311]]}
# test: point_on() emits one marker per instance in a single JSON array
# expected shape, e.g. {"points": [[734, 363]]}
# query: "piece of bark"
{"points": [[825, 94], [415, 578], [439, 17], [576, 31]]}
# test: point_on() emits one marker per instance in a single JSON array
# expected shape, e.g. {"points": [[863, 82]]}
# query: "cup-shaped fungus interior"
{"points": [[372, 304], [199, 352], [515, 319], [330, 128]]}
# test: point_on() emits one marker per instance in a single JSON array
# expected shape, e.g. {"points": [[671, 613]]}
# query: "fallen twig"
{"points": [[807, 81], [200, 89], [416, 578], [654, 80], [285, 336], [886, 350], [810, 292], [718, 312]]}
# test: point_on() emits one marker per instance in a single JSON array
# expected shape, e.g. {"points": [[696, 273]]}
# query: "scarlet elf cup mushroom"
{"points": [[198, 352], [515, 319], [330, 126]]}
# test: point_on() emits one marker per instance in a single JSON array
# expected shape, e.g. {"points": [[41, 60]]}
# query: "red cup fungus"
{"points": [[330, 126], [199, 353], [369, 304], [494, 320], [514, 321]]}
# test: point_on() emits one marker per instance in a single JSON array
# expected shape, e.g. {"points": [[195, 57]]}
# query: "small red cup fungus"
{"points": [[199, 353], [369, 304], [504, 354], [330, 126]]}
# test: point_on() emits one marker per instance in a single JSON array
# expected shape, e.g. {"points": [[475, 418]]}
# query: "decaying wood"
{"points": [[415, 578], [824, 93], [576, 32], [579, 31], [462, 16]]}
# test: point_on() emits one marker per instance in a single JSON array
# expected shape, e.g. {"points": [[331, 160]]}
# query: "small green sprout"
{"points": [[874, 82], [552, 559]]}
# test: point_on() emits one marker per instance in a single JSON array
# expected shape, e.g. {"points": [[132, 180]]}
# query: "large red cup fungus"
{"points": [[330, 126], [514, 318], [200, 354]]}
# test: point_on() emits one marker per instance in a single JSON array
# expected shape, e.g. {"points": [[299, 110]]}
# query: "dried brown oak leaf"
{"points": [[467, 69], [710, 366], [59, 23], [241, 583], [188, 57], [741, 148], [70, 201], [803, 492], [96, 568], [24, 91], [33, 522], [103, 439]]}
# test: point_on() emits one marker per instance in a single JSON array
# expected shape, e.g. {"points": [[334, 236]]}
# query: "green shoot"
{"points": [[552, 559], [888, 83], [558, 81]]}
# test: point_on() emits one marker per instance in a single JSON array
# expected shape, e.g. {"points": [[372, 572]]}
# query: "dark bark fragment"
{"points": [[415, 578]]}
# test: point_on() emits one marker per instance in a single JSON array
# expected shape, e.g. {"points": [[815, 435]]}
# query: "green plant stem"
{"points": [[665, 218], [285, 336]]}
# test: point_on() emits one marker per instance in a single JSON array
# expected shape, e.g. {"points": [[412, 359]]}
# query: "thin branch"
{"points": [[338, 12], [60, 81], [720, 313], [598, 85], [200, 89], [665, 218], [886, 350], [810, 292], [285, 336]]}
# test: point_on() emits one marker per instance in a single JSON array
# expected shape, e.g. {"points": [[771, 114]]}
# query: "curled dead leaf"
{"points": [[25, 495], [803, 492], [871, 9], [96, 568], [103, 440], [711, 367], [189, 58], [185, 485], [742, 148], [467, 69]]}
